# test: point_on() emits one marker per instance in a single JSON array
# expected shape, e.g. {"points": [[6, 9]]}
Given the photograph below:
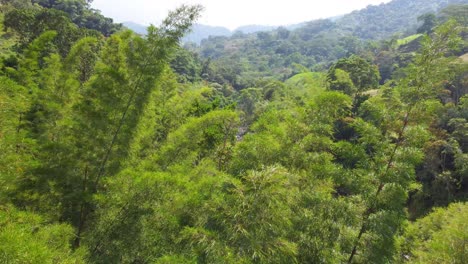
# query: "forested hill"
{"points": [[373, 22], [200, 32], [305, 146], [316, 44], [79, 12], [397, 16]]}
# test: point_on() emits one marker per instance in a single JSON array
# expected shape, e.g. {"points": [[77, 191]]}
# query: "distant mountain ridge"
{"points": [[138, 28], [393, 17], [200, 31]]}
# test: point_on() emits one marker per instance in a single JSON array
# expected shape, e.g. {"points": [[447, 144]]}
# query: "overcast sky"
{"points": [[233, 13]]}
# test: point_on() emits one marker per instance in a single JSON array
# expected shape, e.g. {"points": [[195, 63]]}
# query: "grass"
{"points": [[407, 40]]}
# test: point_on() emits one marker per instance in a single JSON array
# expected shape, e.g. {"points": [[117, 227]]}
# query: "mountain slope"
{"points": [[397, 16], [140, 29], [316, 44], [200, 32]]}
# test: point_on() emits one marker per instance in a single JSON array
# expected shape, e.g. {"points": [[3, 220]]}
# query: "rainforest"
{"points": [[339, 140]]}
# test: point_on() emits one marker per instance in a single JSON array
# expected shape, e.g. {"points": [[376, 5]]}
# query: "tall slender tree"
{"points": [[400, 149]]}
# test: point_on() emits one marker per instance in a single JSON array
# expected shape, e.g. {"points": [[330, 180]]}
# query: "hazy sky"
{"points": [[233, 13]]}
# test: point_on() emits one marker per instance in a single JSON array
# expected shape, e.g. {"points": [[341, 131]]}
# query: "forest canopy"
{"points": [[311, 147]]}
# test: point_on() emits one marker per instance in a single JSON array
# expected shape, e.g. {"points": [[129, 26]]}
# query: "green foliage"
{"points": [[213, 133], [440, 237], [82, 57], [14, 144], [443, 179], [34, 58], [408, 39], [186, 65], [84, 110], [130, 149], [314, 44], [307, 84], [457, 12], [378, 22], [342, 82], [330, 106], [428, 23], [260, 216], [29, 24], [395, 163], [353, 74], [80, 13], [28, 238]]}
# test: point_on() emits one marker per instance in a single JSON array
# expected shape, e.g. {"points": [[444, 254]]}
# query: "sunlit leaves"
{"points": [[28, 238], [440, 237]]}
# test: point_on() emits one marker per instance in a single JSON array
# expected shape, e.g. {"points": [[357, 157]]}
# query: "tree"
{"points": [[457, 12], [260, 215], [82, 58], [29, 238], [395, 162], [343, 83], [210, 135], [95, 137], [429, 21], [81, 14], [440, 237], [17, 149], [283, 33], [126, 77], [187, 65], [363, 75], [34, 22]]}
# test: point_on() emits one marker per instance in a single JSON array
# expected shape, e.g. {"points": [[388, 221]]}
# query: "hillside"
{"points": [[200, 32], [318, 43], [300, 146], [397, 16], [374, 22]]}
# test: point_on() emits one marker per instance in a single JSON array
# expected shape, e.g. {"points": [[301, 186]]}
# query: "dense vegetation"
{"points": [[244, 58], [118, 148]]}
